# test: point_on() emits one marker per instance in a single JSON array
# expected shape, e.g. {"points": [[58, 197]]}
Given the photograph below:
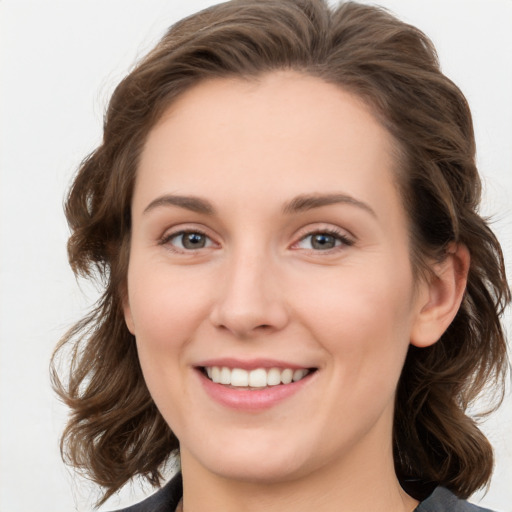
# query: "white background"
{"points": [[60, 61]]}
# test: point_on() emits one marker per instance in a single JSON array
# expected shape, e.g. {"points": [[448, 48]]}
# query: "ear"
{"points": [[128, 317], [440, 296]]}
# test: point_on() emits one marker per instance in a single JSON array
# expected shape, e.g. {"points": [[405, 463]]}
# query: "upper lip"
{"points": [[250, 364]]}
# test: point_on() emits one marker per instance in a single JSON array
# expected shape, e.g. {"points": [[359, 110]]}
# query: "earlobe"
{"points": [[441, 296]]}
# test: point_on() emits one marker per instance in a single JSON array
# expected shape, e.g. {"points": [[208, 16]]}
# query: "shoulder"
{"points": [[164, 500], [443, 500]]}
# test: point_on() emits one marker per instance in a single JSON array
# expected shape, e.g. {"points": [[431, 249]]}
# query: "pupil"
{"points": [[323, 241], [193, 240]]}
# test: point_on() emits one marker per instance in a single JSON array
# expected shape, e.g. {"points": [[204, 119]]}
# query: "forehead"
{"points": [[280, 99], [283, 132]]}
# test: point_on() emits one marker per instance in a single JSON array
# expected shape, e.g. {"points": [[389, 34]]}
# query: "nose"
{"points": [[250, 299]]}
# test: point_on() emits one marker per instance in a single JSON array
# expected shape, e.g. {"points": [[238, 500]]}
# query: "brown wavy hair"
{"points": [[115, 430]]}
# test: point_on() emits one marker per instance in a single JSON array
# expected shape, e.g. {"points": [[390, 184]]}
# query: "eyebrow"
{"points": [[309, 201], [301, 203], [194, 204]]}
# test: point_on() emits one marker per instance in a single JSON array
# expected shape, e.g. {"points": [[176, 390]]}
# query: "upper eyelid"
{"points": [[171, 233], [345, 240], [185, 228], [168, 236], [324, 228]]}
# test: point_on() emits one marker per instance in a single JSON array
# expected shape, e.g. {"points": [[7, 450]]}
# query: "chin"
{"points": [[258, 471], [253, 462]]}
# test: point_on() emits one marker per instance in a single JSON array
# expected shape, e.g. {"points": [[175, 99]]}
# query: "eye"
{"points": [[188, 240], [323, 241]]}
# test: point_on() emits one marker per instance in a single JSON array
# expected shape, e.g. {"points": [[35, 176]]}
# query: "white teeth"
{"points": [[299, 374], [286, 376], [274, 377], [258, 378], [239, 377], [225, 376], [215, 374]]}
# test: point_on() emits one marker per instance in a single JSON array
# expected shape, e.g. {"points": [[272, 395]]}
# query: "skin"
{"points": [[260, 289]]}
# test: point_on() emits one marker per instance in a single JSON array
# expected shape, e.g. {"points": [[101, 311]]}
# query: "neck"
{"points": [[358, 484]]}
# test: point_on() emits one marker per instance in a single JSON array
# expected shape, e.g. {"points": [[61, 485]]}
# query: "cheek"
{"points": [[165, 305], [363, 316], [167, 308]]}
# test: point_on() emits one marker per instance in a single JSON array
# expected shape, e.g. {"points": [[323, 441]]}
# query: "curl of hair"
{"points": [[115, 431]]}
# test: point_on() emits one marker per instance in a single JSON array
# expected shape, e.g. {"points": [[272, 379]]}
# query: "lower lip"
{"points": [[251, 400]]}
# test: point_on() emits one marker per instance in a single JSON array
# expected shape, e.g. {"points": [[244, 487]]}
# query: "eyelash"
{"points": [[166, 240], [337, 235]]}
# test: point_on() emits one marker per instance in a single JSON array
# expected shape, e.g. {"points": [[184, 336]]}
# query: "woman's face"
{"points": [[270, 244]]}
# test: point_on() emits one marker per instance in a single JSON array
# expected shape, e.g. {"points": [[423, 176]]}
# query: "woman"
{"points": [[300, 296]]}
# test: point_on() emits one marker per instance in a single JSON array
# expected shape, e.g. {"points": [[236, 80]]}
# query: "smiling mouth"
{"points": [[254, 379]]}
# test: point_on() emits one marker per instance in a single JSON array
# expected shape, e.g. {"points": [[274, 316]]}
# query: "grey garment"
{"points": [[443, 500], [167, 499], [164, 500]]}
